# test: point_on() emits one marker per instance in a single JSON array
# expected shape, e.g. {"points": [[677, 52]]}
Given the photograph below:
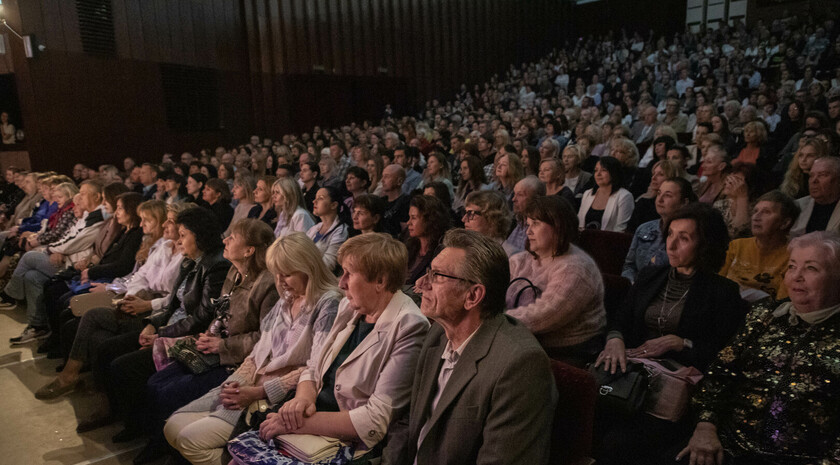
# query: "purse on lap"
{"points": [[621, 393], [670, 389]]}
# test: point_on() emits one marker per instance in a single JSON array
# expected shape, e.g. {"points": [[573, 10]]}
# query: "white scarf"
{"points": [[812, 318]]}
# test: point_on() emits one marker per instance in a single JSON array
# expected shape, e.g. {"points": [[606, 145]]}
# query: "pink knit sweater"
{"points": [[570, 309]]}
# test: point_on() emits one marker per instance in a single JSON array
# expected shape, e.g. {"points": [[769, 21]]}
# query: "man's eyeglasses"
{"points": [[470, 214], [433, 275]]}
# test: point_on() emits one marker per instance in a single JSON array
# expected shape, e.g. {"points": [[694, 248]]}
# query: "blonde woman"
{"points": [[295, 328], [795, 183], [292, 216]]}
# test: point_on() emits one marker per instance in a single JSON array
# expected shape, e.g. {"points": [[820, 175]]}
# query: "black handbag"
{"points": [[621, 393], [184, 350], [537, 292]]}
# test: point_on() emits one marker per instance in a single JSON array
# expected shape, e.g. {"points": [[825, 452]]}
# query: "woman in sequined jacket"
{"points": [[773, 395]]}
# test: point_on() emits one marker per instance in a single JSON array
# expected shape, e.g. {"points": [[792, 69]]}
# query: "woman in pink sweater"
{"points": [[556, 288]]}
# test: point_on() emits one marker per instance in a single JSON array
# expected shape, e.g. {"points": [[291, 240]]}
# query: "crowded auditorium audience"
{"points": [[627, 203]]}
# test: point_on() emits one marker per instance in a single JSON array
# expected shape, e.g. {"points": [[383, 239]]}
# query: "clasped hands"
{"points": [[289, 419]]}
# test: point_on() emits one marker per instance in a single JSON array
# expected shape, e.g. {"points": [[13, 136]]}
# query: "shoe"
{"points": [[126, 435], [55, 390], [30, 334], [94, 423], [6, 302]]}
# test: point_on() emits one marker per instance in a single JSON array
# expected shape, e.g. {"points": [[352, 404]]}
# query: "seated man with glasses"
{"points": [[482, 378]]}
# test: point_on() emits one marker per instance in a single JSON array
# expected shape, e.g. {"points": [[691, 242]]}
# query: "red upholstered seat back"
{"points": [[571, 437]]}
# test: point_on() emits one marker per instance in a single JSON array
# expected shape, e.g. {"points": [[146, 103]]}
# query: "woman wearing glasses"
{"points": [[556, 289], [487, 213]]}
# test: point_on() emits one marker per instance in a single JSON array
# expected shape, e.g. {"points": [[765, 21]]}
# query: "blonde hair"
{"points": [[68, 189], [794, 177], [155, 209], [296, 253], [291, 192], [377, 256], [633, 157], [760, 130]]}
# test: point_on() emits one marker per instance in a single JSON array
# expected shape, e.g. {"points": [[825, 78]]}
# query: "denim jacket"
{"points": [[648, 247]]}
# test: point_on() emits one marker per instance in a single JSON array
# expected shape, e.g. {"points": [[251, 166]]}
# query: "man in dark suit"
{"points": [[483, 390]]}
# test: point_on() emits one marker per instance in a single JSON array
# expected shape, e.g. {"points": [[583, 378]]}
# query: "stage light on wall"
{"points": [[31, 47]]}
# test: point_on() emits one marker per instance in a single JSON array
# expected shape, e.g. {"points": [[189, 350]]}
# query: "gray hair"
{"points": [[555, 146], [485, 263], [828, 242], [833, 163], [534, 184]]}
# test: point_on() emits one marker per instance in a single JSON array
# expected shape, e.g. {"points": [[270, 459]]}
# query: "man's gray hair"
{"points": [[534, 184], [485, 263]]}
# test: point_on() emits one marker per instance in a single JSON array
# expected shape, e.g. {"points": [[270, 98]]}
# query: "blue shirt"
{"points": [[648, 247], [43, 212]]}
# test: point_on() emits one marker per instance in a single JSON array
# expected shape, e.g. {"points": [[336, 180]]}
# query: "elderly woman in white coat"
{"points": [[607, 206], [362, 378]]}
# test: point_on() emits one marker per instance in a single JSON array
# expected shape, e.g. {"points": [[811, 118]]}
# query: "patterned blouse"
{"points": [[774, 393], [285, 343]]}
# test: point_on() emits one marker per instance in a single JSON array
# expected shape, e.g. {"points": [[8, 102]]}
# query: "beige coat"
{"points": [[374, 383]]}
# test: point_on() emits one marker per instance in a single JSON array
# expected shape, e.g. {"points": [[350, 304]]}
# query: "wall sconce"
{"points": [[31, 46]]}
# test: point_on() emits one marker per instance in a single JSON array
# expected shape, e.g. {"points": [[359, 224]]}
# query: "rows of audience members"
{"points": [[472, 213]]}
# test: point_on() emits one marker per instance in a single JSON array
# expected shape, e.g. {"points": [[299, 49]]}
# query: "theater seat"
{"points": [[607, 248], [615, 291], [571, 438]]}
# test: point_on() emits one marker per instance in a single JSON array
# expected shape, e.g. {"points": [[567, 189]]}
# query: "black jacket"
{"points": [[713, 313], [204, 280], [119, 259]]}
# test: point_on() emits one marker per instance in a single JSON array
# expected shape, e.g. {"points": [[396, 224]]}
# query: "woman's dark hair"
{"points": [[560, 215], [441, 191], [684, 153], [204, 226], [471, 148], [231, 171], [374, 204], [616, 170], [214, 173], [724, 127], [200, 178], [436, 218], [221, 187], [342, 212], [476, 168], [360, 173], [667, 140], [686, 190], [533, 159], [112, 191], [130, 201], [712, 235]]}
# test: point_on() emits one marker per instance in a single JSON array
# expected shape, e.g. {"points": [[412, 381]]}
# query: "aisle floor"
{"points": [[38, 432]]}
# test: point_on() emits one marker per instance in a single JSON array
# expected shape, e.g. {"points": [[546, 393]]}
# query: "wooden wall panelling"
{"points": [[150, 36], [188, 36], [70, 24], [163, 31], [310, 21], [254, 60], [289, 37], [121, 37], [395, 8], [301, 41], [265, 67], [53, 31], [278, 53], [134, 30], [360, 46], [202, 47], [324, 35], [336, 35], [387, 26]]}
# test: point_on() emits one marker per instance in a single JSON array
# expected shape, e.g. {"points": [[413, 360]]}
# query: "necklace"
{"points": [[663, 317]]}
